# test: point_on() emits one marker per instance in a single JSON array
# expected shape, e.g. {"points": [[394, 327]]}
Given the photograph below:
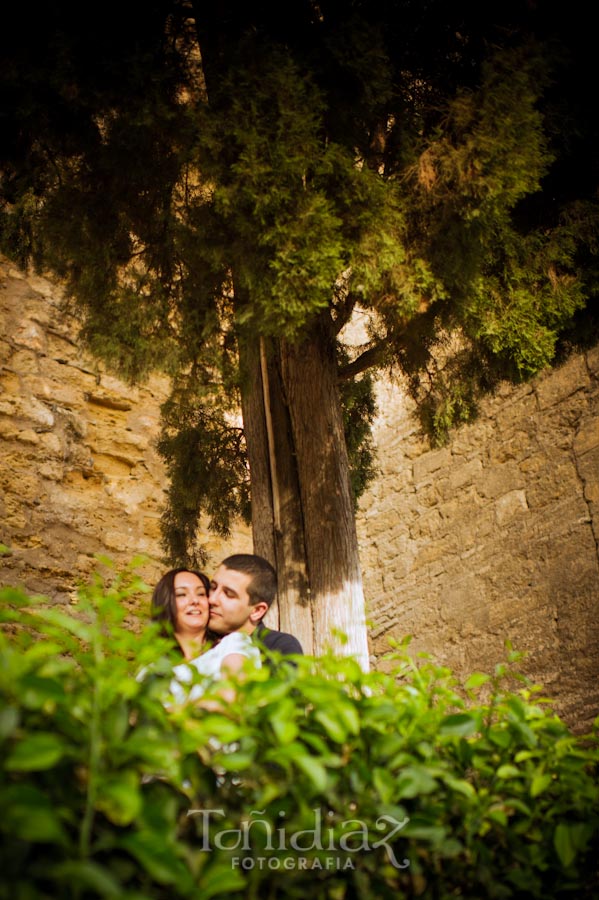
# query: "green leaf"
{"points": [[88, 874], [564, 844], [28, 814], [220, 727], [157, 858], [477, 679], [523, 755], [9, 720], [515, 803], [516, 705], [572, 839], [45, 650], [116, 723], [499, 736], [12, 596], [435, 834], [498, 815], [36, 752], [334, 728], [451, 848], [69, 623], [540, 783], [119, 797], [283, 720], [460, 724], [350, 717], [459, 785], [219, 879], [314, 769], [37, 691], [508, 771], [384, 783], [525, 732], [149, 745], [237, 760], [413, 781], [271, 692], [285, 729]]}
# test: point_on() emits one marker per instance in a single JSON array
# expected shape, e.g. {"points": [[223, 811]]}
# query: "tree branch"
{"points": [[375, 356], [343, 312]]}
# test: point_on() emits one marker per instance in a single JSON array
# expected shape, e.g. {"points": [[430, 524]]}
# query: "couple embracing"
{"points": [[218, 623]]}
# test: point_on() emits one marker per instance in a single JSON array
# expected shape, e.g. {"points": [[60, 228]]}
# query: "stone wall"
{"points": [[79, 473], [493, 537]]}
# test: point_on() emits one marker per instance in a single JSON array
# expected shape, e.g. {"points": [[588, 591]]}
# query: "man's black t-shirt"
{"points": [[278, 641]]}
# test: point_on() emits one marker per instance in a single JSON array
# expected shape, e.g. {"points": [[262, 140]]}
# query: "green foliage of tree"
{"points": [[359, 408], [429, 787], [207, 470]]}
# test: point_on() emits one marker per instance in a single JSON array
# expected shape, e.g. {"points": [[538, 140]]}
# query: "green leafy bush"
{"points": [[320, 781]]}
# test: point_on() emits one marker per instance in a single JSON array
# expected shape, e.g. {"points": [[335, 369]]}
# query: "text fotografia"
{"points": [[352, 836], [288, 863]]}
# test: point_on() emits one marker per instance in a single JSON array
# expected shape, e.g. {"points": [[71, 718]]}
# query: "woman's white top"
{"points": [[209, 663]]}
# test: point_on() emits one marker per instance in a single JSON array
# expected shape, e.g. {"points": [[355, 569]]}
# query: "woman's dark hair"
{"points": [[164, 604]]}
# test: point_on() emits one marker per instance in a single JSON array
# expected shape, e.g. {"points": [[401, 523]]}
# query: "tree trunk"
{"points": [[277, 524], [254, 426], [301, 498], [309, 373]]}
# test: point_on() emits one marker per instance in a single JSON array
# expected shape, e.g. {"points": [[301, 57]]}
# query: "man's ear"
{"points": [[258, 612]]}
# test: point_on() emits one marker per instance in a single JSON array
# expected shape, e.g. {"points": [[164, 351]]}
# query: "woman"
{"points": [[180, 605]]}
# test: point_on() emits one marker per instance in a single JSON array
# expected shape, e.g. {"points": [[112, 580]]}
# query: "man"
{"points": [[241, 592]]}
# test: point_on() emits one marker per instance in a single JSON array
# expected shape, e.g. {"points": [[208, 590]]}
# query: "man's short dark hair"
{"points": [[263, 584]]}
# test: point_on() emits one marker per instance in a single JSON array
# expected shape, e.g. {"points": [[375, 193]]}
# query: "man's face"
{"points": [[230, 608]]}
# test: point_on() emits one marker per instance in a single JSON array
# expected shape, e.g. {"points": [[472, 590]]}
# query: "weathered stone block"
{"points": [[464, 473], [499, 480], [28, 437], [431, 462], [592, 360], [587, 437], [31, 335], [554, 387]]}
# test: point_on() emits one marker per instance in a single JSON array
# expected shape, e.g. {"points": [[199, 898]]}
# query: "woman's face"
{"points": [[191, 603]]}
